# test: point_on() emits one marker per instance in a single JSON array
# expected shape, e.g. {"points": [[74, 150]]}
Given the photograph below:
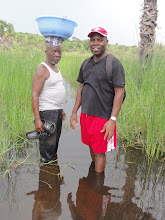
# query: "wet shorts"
{"points": [[91, 135]]}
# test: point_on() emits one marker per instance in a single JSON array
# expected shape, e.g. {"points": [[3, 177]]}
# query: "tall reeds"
{"points": [[16, 70], [141, 121], [70, 65]]}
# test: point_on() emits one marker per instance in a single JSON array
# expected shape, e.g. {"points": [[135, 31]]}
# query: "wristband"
{"points": [[113, 118]]}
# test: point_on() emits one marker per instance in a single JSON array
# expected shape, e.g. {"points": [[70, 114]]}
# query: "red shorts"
{"points": [[91, 135]]}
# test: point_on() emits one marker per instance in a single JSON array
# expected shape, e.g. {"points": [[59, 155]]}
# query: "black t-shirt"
{"points": [[97, 94]]}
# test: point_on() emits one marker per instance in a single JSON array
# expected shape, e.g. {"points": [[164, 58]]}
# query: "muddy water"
{"points": [[129, 189]]}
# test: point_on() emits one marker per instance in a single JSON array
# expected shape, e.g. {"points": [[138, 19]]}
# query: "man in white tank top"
{"points": [[48, 97]]}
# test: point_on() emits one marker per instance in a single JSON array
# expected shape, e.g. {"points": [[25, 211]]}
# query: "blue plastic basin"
{"points": [[56, 26]]}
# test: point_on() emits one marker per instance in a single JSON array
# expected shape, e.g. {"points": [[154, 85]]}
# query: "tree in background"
{"points": [[6, 34], [75, 45], [6, 28], [148, 24]]}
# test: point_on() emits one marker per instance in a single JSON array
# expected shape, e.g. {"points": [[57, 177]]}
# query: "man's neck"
{"points": [[49, 64], [96, 58]]}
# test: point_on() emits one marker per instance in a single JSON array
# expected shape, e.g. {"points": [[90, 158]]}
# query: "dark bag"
{"points": [[108, 69]]}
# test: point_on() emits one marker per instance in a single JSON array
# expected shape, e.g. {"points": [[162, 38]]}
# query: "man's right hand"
{"points": [[39, 125], [72, 119]]}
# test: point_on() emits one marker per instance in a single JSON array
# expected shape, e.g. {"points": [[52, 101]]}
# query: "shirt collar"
{"points": [[99, 61]]}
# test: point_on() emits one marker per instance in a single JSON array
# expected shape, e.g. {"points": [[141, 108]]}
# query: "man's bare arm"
{"points": [[117, 103], [76, 107], [38, 81]]}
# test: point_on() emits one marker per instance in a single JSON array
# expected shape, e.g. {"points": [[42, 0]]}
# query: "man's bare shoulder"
{"points": [[42, 72]]}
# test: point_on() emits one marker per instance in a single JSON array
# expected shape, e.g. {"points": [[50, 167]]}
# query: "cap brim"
{"points": [[97, 33]]}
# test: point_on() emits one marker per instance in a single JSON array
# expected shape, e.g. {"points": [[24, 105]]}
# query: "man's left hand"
{"points": [[108, 128]]}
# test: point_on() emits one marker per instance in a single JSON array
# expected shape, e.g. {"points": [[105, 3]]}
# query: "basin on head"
{"points": [[56, 26]]}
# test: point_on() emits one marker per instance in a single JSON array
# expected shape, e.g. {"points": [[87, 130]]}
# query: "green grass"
{"points": [[16, 70], [141, 121], [70, 66]]}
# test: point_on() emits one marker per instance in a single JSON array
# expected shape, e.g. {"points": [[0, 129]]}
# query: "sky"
{"points": [[119, 17]]}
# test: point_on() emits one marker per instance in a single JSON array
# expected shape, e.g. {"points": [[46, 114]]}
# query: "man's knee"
{"points": [[99, 155]]}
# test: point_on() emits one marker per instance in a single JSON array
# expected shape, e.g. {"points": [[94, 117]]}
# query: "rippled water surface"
{"points": [[69, 189]]}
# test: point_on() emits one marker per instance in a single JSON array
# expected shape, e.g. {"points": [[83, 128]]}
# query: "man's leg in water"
{"points": [[92, 154], [100, 162], [99, 159]]}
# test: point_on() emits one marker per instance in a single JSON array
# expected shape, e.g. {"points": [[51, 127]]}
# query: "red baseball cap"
{"points": [[99, 30]]}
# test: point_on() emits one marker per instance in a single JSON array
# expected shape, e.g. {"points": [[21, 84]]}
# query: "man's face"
{"points": [[53, 54], [98, 44]]}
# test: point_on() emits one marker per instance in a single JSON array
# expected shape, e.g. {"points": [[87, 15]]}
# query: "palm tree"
{"points": [[148, 24]]}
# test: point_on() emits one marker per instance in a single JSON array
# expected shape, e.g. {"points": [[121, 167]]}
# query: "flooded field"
{"points": [[67, 189], [129, 189]]}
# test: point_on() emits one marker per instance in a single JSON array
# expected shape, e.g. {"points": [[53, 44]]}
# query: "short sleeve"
{"points": [[118, 74], [80, 76]]}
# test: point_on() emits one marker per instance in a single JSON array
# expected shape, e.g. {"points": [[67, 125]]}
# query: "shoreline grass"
{"points": [[141, 120]]}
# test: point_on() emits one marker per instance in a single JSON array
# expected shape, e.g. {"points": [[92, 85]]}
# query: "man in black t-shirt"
{"points": [[100, 101]]}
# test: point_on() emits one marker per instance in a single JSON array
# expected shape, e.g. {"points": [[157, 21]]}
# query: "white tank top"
{"points": [[53, 93]]}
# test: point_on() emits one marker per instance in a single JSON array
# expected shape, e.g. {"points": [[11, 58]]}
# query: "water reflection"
{"points": [[130, 189], [117, 198], [128, 208], [47, 203], [92, 198]]}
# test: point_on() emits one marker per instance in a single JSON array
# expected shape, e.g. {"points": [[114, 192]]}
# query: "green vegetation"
{"points": [[6, 29], [10, 40], [141, 122]]}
